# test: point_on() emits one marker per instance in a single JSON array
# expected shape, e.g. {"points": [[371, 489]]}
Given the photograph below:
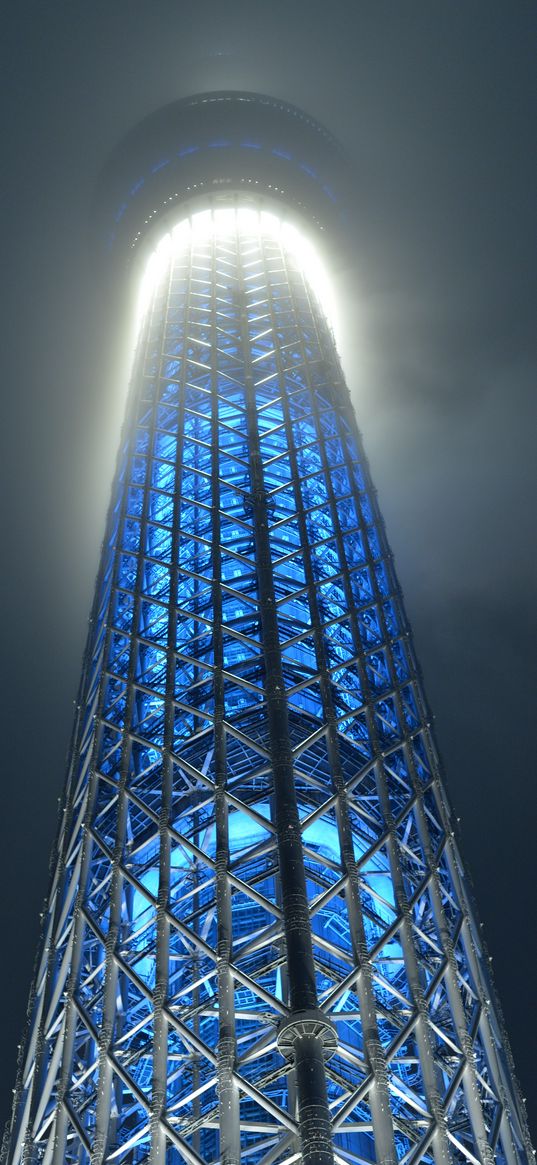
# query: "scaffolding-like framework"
{"points": [[258, 944]]}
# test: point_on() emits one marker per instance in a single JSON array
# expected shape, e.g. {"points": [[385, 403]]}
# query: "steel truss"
{"points": [[258, 945]]}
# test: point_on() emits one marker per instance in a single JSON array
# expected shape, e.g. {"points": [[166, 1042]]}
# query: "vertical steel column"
{"points": [[430, 1074], [62, 1116], [469, 928], [469, 1076], [469, 1080], [306, 1030], [61, 844], [102, 1120], [230, 1140], [160, 992], [508, 1115], [379, 1097], [61, 1119]]}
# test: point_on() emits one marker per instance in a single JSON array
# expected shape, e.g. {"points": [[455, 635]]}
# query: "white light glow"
{"points": [[246, 222], [156, 268]]}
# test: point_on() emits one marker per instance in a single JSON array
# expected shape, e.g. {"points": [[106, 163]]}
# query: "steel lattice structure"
{"points": [[258, 944]]}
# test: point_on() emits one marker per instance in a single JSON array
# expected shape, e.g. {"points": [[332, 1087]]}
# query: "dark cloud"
{"points": [[436, 103]]}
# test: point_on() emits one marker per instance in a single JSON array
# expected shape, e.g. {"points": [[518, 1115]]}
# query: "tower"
{"points": [[259, 945]]}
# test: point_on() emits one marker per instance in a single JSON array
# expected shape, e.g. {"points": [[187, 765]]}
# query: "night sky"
{"points": [[436, 102]]}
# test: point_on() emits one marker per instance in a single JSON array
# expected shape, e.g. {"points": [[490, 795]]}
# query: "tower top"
{"points": [[213, 148]]}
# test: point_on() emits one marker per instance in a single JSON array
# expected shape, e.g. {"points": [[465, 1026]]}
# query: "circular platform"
{"points": [[213, 149]]}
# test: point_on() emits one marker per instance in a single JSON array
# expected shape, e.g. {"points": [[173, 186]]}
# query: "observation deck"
{"points": [[220, 148]]}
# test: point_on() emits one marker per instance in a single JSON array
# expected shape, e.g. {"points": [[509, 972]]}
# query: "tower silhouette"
{"points": [[258, 945]]}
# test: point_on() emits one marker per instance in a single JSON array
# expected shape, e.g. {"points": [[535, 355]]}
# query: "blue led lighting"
{"points": [[247, 624], [223, 144]]}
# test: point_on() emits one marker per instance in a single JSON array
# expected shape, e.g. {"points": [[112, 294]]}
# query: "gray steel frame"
{"points": [[98, 1015]]}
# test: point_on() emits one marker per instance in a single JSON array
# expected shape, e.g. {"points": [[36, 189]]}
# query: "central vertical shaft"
{"points": [[304, 1032], [230, 1148]]}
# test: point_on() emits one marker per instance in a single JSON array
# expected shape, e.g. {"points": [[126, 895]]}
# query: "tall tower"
{"points": [[258, 946]]}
